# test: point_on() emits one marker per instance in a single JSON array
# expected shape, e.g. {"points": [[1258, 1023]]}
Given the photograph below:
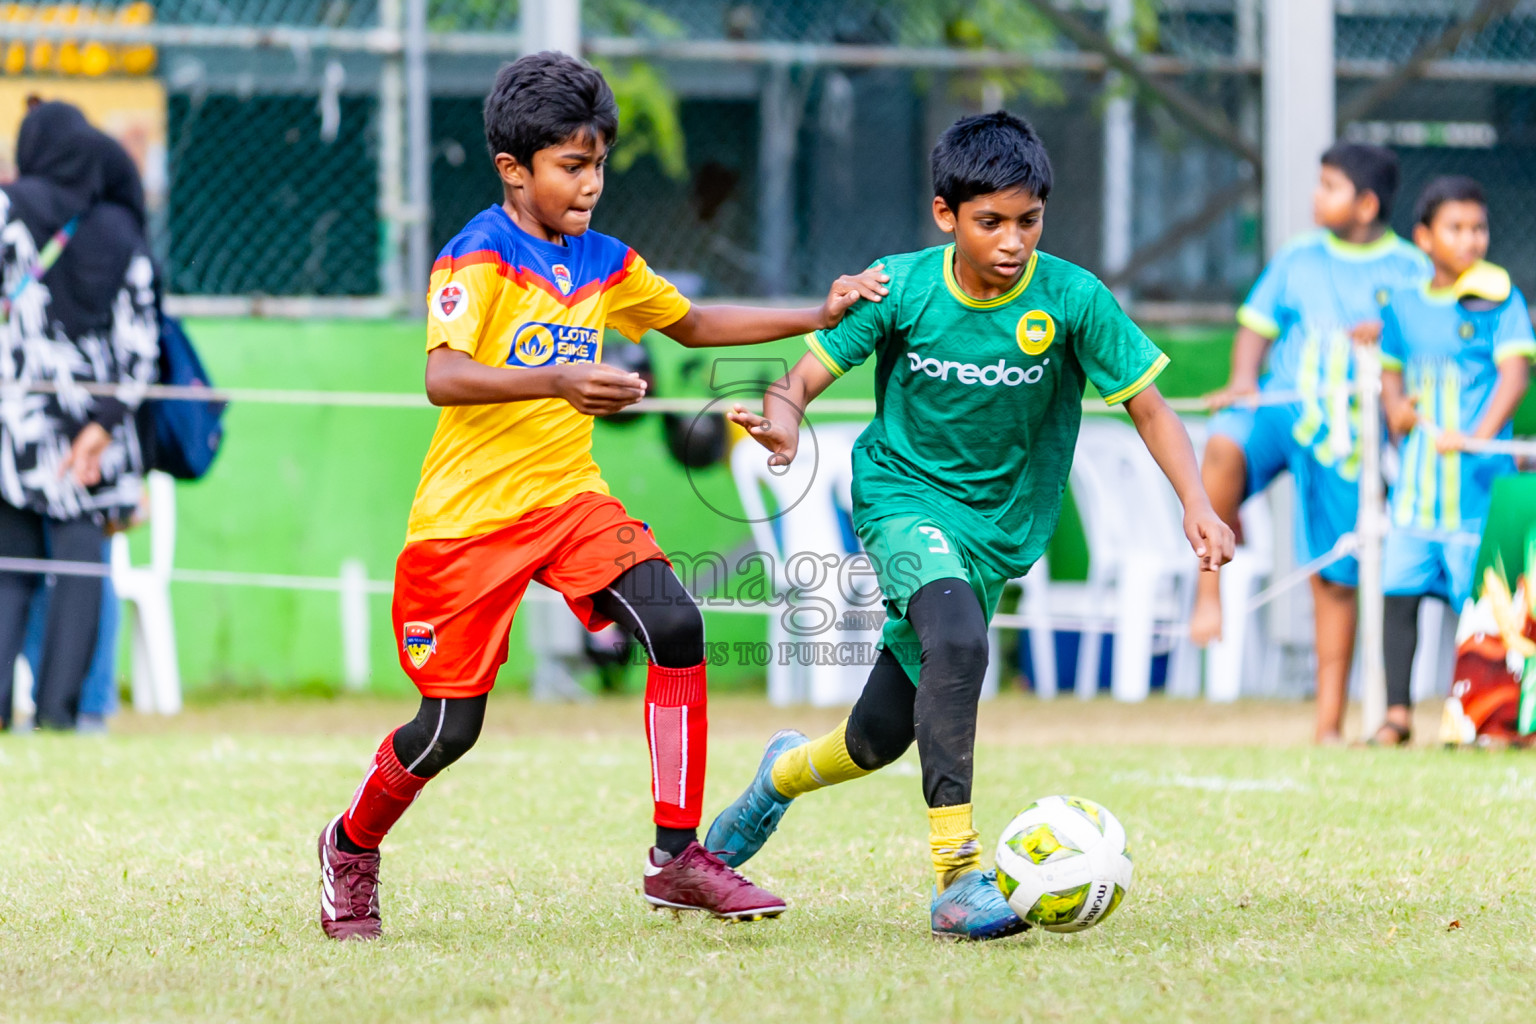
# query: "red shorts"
{"points": [[455, 599]]}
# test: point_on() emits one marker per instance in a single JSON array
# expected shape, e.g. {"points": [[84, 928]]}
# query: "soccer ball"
{"points": [[1062, 864]]}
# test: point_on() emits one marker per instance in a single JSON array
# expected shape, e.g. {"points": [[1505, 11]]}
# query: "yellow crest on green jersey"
{"points": [[1036, 331]]}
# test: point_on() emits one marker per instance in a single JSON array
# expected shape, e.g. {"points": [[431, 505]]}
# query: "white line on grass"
{"points": [[1213, 783]]}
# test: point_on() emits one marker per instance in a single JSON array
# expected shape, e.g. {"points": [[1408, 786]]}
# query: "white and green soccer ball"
{"points": [[1062, 864]]}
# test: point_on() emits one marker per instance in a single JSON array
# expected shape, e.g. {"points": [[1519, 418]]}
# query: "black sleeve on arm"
{"points": [[109, 412]]}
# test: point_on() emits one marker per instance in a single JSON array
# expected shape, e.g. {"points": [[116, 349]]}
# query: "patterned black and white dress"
{"points": [[38, 346]]}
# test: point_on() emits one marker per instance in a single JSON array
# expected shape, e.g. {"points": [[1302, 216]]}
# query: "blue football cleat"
{"points": [[743, 827], [973, 907]]}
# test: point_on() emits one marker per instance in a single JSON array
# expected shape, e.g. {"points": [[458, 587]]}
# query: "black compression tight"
{"points": [[1400, 631], [940, 712]]}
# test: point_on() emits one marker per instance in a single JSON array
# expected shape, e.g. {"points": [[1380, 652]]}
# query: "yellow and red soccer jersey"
{"points": [[509, 299]]}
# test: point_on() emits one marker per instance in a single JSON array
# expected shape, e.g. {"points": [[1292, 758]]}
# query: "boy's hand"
{"points": [[1403, 416], [598, 389], [849, 289], [1211, 538], [780, 439], [1367, 334], [1233, 393], [1451, 441]]}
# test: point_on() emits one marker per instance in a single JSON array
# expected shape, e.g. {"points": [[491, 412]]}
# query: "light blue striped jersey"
{"points": [[1449, 355], [1315, 290]]}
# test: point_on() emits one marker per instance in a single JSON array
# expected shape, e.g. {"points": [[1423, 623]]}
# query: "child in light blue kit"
{"points": [[1300, 313], [1456, 355]]}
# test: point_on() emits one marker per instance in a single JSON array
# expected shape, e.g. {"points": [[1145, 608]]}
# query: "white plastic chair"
{"points": [[1244, 651], [1140, 571], [803, 543], [146, 591]]}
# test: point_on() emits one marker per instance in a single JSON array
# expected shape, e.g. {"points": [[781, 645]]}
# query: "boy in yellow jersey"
{"points": [[509, 492]]}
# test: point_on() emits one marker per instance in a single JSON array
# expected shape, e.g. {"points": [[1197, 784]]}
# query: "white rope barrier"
{"points": [[354, 586], [416, 400]]}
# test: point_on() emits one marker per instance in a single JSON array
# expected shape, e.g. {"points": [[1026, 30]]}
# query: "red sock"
{"points": [[386, 791], [677, 727]]}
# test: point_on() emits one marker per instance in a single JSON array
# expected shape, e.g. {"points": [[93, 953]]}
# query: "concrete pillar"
{"points": [[418, 157], [1298, 111], [552, 25], [391, 204], [1119, 149], [778, 144]]}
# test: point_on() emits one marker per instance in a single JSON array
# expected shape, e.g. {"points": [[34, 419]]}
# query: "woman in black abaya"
{"points": [[70, 465]]}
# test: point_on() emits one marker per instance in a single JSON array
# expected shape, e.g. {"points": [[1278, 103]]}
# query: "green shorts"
{"points": [[910, 550]]}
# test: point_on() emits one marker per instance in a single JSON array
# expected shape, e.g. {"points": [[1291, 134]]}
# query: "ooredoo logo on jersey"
{"points": [[989, 376]]}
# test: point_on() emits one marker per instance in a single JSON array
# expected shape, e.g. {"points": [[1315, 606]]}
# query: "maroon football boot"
{"points": [[698, 880], [349, 889]]}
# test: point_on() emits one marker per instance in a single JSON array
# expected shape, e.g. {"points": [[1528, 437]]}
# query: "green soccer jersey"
{"points": [[978, 401]]}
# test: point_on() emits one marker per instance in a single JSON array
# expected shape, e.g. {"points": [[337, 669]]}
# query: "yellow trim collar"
{"points": [[993, 303], [1358, 251], [1140, 384]]}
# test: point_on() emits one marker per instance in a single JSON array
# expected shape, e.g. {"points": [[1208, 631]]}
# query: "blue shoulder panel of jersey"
{"points": [[587, 258], [598, 257]]}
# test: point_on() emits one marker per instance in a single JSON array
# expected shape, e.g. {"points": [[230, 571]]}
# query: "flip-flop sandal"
{"points": [[1404, 734]]}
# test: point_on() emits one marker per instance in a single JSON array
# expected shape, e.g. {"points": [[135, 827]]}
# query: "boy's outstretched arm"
{"points": [[778, 428], [1248, 348], [1514, 379], [1168, 441], [712, 326]]}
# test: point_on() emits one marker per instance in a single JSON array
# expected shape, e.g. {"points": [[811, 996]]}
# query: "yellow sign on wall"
{"points": [[132, 111], [81, 57]]}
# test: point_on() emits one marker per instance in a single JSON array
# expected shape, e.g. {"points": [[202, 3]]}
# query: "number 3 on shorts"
{"points": [[938, 545]]}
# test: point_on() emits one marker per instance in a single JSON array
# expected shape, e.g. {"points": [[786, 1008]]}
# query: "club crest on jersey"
{"points": [[451, 302], [1035, 332], [535, 344], [420, 642], [562, 278]]}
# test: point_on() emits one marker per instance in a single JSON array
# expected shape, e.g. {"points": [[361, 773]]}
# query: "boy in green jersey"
{"points": [[983, 348]]}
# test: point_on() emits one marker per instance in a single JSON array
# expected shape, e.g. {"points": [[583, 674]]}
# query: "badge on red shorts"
{"points": [[420, 642]]}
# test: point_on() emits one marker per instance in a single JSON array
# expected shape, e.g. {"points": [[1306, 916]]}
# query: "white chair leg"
{"points": [[1131, 673], [783, 678], [1090, 651], [1224, 658], [143, 678], [1434, 662], [159, 637], [1042, 640], [23, 707], [989, 682]]}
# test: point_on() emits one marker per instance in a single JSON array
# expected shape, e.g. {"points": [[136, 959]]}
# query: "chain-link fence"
{"points": [[769, 145]]}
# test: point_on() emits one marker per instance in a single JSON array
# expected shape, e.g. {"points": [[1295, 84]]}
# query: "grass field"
{"points": [[167, 873]]}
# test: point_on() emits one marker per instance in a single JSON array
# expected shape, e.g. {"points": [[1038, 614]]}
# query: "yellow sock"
{"points": [[822, 762], [955, 845]]}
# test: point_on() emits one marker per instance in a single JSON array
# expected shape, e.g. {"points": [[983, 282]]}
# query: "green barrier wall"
{"points": [[299, 490]]}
